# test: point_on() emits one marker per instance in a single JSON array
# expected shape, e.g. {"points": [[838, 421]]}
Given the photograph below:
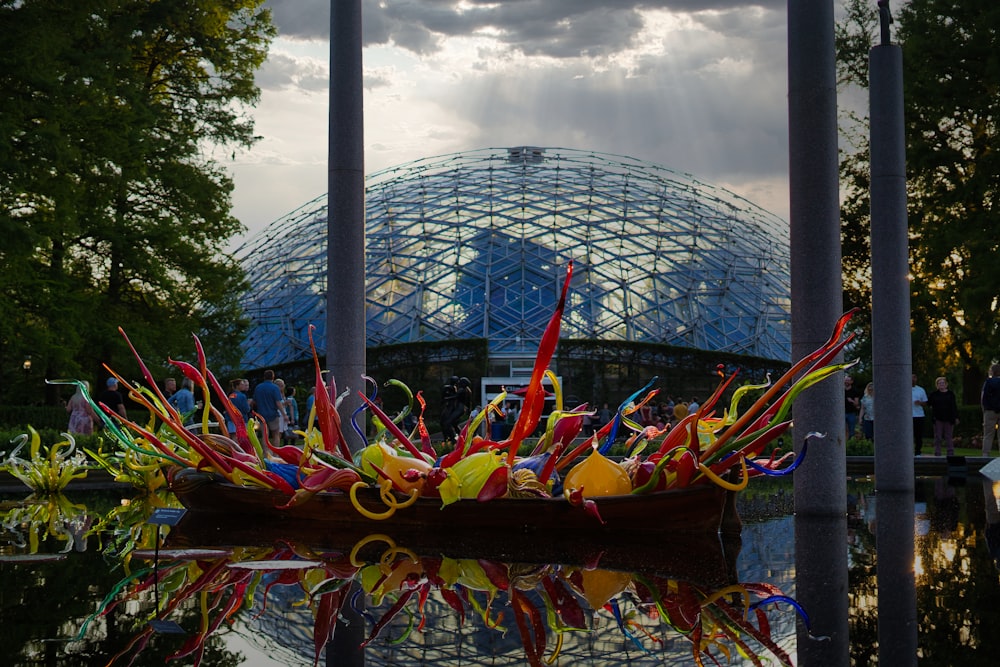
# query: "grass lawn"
{"points": [[928, 450]]}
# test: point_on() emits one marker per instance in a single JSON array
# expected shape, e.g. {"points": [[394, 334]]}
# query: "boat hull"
{"points": [[697, 510], [703, 558]]}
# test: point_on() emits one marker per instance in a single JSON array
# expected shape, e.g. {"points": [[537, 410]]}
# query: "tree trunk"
{"points": [[972, 385]]}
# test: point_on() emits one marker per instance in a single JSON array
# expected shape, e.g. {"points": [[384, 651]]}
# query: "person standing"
{"points": [[866, 414], [238, 397], [498, 424], [169, 387], [944, 412], [510, 417], [81, 414], [269, 402], [283, 411], [183, 400], [449, 410], [919, 397], [464, 397], [603, 416], [990, 402], [852, 405], [292, 408], [646, 415], [112, 398]]}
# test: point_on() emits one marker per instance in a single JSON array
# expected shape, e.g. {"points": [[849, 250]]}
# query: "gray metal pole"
{"points": [[817, 292], [891, 352], [817, 302], [345, 253], [897, 588], [345, 293], [821, 588], [891, 345]]}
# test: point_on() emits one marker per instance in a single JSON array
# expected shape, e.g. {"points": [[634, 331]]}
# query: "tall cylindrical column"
{"points": [[817, 302], [345, 292], [891, 345], [817, 291], [891, 353]]}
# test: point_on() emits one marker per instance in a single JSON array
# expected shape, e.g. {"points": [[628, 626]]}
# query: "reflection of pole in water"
{"points": [[344, 648], [897, 592], [821, 589]]}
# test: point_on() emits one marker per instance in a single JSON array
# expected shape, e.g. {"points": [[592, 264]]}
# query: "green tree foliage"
{"points": [[951, 62], [112, 210], [853, 41]]}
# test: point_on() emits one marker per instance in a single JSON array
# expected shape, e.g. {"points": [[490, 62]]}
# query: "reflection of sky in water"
{"points": [[922, 524], [768, 553]]}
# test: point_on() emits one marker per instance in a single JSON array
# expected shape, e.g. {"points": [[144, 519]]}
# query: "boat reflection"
{"points": [[197, 590], [648, 597]]}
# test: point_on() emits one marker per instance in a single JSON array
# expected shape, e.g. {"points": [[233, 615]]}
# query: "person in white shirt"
{"points": [[919, 401]]}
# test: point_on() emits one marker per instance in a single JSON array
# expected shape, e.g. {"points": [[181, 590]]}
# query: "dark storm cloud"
{"points": [[557, 28]]}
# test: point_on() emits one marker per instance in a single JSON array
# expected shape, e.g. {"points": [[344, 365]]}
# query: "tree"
{"points": [[115, 211], [951, 61]]}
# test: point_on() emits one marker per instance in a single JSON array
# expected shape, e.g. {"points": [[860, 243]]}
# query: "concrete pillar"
{"points": [[817, 299], [891, 345], [821, 588], [817, 302], [892, 355], [345, 293]]}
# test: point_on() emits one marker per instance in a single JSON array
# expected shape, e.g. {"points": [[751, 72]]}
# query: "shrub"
{"points": [[40, 416], [860, 446]]}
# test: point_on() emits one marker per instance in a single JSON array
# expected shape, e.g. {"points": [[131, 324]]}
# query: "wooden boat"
{"points": [[652, 517]]}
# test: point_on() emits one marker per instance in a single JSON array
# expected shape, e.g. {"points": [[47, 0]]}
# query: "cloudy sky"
{"points": [[698, 86]]}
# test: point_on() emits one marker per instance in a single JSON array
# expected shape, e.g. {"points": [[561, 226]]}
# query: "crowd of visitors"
{"points": [[277, 406], [271, 399]]}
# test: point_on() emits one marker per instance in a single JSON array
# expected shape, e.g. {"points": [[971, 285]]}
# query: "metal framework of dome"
{"points": [[475, 245]]}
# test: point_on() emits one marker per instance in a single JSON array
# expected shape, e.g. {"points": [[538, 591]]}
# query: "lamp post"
{"points": [[26, 366]]}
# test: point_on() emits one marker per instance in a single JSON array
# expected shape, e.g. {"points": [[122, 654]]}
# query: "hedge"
{"points": [[39, 416]]}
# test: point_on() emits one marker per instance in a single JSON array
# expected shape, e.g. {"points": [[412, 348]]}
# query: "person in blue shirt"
{"points": [[990, 402], [269, 404], [183, 400], [238, 397]]}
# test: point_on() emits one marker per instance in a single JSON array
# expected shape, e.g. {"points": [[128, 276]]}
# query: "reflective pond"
{"points": [[88, 579]]}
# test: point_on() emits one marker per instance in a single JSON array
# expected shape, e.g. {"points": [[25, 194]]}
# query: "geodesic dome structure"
{"points": [[476, 244]]}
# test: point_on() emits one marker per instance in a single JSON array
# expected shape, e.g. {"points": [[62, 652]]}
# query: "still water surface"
{"points": [[83, 578]]}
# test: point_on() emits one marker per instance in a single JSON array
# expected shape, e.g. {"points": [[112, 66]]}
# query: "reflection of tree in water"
{"points": [[958, 595], [45, 602], [945, 509], [863, 591]]}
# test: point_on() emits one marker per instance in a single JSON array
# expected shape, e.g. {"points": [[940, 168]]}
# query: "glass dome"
{"points": [[475, 245]]}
